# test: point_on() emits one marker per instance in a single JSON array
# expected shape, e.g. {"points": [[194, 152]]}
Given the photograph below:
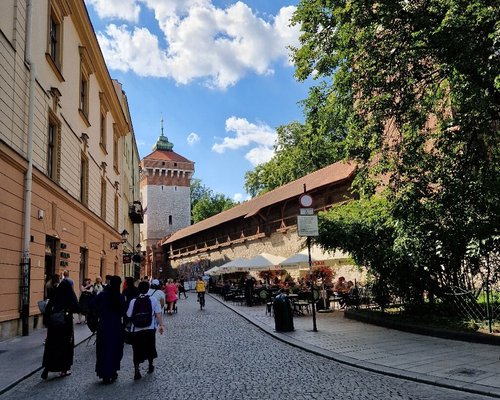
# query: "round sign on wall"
{"points": [[305, 200]]}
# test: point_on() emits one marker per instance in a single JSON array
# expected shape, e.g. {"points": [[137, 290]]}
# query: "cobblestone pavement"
{"points": [[216, 354]]}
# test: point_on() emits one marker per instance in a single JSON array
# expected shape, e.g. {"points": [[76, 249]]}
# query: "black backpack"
{"points": [[142, 313]]}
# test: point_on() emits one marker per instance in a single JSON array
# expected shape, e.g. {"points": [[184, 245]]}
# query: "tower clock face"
{"points": [[305, 200]]}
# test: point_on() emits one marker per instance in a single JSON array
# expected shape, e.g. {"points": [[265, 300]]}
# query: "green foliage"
{"points": [[205, 203], [414, 88], [199, 191], [209, 206]]}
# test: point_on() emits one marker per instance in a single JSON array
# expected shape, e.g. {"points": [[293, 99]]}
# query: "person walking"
{"points": [[171, 295], [98, 286], [110, 306], [130, 292], [51, 285], [86, 295], [181, 288], [59, 345], [156, 292], [145, 316]]}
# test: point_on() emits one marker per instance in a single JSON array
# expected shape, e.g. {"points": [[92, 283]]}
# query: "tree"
{"points": [[199, 191], [416, 87], [299, 150], [209, 206], [205, 203]]}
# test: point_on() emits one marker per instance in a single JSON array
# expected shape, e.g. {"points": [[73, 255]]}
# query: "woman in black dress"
{"points": [[60, 342], [110, 306]]}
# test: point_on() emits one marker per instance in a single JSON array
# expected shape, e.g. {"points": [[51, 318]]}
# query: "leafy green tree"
{"points": [[415, 86], [199, 191], [209, 206]]}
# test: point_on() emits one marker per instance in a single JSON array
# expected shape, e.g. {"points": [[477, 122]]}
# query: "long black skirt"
{"points": [[144, 345], [59, 347]]}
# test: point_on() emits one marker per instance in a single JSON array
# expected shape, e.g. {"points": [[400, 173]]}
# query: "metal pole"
{"points": [[315, 329], [28, 182], [488, 305]]}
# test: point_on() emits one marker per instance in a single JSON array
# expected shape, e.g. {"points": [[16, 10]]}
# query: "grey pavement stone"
{"points": [[216, 354]]}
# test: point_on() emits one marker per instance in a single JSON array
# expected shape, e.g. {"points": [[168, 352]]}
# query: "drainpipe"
{"points": [[28, 182]]}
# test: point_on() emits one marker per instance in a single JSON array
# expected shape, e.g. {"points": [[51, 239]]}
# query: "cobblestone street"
{"points": [[216, 354]]}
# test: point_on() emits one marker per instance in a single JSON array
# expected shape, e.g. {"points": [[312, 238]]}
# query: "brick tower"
{"points": [[166, 195]]}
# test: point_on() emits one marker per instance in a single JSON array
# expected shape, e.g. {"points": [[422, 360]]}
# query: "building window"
{"points": [[83, 264], [85, 70], [54, 38], [116, 211], [84, 95], [102, 131], [84, 179], [53, 148], [102, 125], [57, 11], [115, 149], [170, 220], [103, 198]]}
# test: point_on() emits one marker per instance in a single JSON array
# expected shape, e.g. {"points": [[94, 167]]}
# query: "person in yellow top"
{"points": [[200, 290]]}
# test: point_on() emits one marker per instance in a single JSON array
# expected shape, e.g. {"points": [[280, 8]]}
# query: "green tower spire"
{"points": [[163, 143]]}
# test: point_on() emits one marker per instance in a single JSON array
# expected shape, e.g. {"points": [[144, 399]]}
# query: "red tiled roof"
{"points": [[166, 155], [333, 173]]}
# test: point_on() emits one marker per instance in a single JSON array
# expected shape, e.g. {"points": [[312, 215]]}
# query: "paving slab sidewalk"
{"points": [[22, 356], [470, 367]]}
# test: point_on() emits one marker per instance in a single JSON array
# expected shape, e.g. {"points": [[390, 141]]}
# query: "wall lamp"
{"points": [[114, 245]]}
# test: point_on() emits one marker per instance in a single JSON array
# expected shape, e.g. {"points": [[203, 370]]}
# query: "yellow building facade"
{"points": [[66, 157]]}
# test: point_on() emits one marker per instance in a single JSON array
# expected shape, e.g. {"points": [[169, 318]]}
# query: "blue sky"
{"points": [[216, 71]]}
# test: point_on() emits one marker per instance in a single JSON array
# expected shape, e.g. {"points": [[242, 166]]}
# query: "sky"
{"points": [[217, 72]]}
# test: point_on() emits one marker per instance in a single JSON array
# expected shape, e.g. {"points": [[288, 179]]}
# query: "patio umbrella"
{"points": [[236, 265], [296, 261], [212, 271], [264, 262]]}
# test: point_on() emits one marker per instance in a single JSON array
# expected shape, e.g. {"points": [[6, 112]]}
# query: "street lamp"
{"points": [[114, 245]]}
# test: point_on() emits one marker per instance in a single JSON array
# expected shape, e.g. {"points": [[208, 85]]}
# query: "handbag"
{"points": [[42, 305], [57, 318]]}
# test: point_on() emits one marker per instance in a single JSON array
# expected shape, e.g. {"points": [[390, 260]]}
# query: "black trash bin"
{"points": [[283, 313]]}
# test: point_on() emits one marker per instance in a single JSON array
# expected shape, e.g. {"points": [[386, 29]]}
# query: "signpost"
{"points": [[307, 225]]}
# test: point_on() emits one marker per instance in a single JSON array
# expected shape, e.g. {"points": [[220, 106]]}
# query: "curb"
{"points": [[366, 365], [37, 369]]}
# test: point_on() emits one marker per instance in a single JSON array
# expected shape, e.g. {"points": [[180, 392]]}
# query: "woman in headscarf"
{"points": [[111, 307], [60, 342]]}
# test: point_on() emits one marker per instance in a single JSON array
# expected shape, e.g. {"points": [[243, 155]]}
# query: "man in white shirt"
{"points": [[156, 292], [144, 338]]}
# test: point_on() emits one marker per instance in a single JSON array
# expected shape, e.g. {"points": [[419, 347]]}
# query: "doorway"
{"points": [[50, 256]]}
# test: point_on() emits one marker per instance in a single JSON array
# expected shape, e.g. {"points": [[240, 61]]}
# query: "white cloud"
{"points": [[193, 138], [127, 10], [247, 134], [237, 197], [215, 45], [259, 155]]}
